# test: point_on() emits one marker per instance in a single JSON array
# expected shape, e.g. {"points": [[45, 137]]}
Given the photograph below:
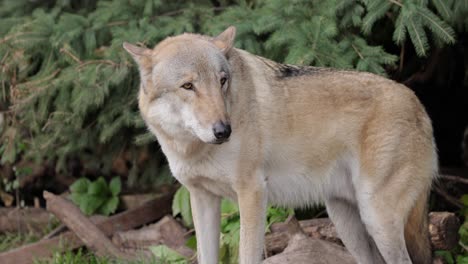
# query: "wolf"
{"points": [[236, 125]]}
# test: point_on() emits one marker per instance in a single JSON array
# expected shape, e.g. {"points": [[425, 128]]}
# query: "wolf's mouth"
{"points": [[219, 141]]}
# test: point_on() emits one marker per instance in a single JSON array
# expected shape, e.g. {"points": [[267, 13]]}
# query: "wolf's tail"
{"points": [[417, 232]]}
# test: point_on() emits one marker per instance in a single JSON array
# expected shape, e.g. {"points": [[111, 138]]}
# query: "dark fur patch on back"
{"points": [[283, 71], [287, 70]]}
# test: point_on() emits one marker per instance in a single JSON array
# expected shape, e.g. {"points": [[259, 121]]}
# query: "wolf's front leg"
{"points": [[252, 205], [206, 218]]}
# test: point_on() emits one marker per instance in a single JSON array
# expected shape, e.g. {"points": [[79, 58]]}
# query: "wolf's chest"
{"points": [[212, 173]]}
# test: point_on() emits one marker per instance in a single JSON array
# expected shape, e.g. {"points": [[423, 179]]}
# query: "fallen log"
{"points": [[167, 231], [129, 201], [149, 212], [303, 249], [90, 234], [307, 250], [24, 220], [443, 230], [63, 228]]}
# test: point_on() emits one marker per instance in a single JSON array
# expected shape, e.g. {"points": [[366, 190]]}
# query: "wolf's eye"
{"points": [[187, 86], [223, 80]]}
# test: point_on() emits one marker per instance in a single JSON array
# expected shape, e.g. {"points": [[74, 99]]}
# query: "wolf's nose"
{"points": [[221, 130]]}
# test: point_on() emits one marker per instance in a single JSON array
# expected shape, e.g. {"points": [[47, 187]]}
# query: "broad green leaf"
{"points": [[228, 207], [90, 203], [80, 186], [181, 205], [231, 226], [77, 197], [98, 187], [167, 255], [192, 242], [115, 186], [276, 215], [109, 206], [279, 214]]}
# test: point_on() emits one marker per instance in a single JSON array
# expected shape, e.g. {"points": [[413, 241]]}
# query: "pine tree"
{"points": [[71, 88]]}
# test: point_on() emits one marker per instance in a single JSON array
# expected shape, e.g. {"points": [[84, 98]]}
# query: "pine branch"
{"points": [[73, 88], [443, 7], [399, 35], [418, 36], [373, 15], [12, 36], [437, 26]]}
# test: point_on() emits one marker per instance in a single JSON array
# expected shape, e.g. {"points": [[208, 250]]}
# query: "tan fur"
{"points": [[416, 236], [360, 143]]}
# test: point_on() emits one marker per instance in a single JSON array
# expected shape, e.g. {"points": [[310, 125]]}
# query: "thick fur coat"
{"points": [[360, 143]]}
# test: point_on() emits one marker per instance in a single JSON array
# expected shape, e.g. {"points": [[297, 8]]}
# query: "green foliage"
{"points": [[10, 240], [70, 257], [181, 205], [72, 88], [462, 257], [83, 257], [230, 232], [230, 224], [414, 18], [97, 196], [166, 255]]}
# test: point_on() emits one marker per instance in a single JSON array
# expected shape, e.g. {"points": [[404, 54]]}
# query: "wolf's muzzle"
{"points": [[221, 130]]}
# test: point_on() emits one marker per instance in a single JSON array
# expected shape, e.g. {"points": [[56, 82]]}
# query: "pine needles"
{"points": [[72, 89], [414, 18]]}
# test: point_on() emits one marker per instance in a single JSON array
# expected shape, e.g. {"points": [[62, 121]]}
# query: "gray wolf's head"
{"points": [[184, 85]]}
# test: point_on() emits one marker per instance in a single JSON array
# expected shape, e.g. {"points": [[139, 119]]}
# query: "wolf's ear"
{"points": [[139, 54], [142, 56], [225, 40]]}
